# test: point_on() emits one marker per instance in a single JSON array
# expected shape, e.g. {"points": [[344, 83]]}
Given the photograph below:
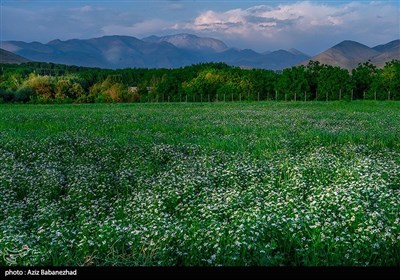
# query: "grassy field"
{"points": [[200, 184]]}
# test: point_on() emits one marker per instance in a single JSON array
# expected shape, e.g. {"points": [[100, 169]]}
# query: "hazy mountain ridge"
{"points": [[348, 54], [190, 42], [389, 47], [185, 49], [104, 52], [9, 57], [151, 52]]}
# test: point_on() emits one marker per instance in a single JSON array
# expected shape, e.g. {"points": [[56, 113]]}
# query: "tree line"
{"points": [[36, 82]]}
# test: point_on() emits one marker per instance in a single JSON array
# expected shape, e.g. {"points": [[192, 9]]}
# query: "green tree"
{"points": [[333, 83], [205, 85], [293, 83], [313, 70], [166, 88], [362, 78], [42, 86], [230, 91], [391, 77]]}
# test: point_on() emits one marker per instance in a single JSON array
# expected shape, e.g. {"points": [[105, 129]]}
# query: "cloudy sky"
{"points": [[310, 26]]}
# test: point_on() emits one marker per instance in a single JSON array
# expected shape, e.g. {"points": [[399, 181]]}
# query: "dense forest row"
{"points": [[37, 82]]}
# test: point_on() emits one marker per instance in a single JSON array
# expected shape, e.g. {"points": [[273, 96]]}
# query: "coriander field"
{"points": [[171, 184]]}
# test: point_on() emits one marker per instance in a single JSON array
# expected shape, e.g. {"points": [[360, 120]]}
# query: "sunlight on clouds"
{"points": [[300, 16], [299, 22]]}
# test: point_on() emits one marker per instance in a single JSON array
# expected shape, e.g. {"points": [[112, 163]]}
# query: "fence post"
{"points": [[389, 95], [305, 97], [295, 96], [351, 94], [364, 95], [340, 94], [276, 95], [316, 95]]}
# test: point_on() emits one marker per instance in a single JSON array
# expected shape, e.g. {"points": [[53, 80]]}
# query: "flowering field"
{"points": [[200, 184]]}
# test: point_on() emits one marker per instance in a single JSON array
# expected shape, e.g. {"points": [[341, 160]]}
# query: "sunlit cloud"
{"points": [[301, 23]]}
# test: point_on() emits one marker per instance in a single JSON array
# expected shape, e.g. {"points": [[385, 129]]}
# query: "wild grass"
{"points": [[200, 184]]}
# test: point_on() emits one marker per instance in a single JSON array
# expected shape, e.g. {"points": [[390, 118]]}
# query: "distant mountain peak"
{"points": [[296, 52], [185, 35], [349, 44], [9, 57], [348, 54], [389, 47], [54, 42], [190, 42]]}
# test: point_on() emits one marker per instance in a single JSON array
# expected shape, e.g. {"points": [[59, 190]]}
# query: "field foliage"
{"points": [[263, 183]]}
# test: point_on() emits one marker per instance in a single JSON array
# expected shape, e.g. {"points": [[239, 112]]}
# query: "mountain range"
{"points": [[348, 54], [185, 49], [9, 57]]}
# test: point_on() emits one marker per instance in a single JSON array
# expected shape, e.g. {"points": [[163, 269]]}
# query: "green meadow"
{"points": [[200, 184]]}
